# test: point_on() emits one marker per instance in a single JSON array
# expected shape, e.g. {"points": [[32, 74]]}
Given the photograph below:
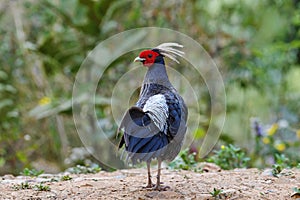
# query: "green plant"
{"points": [[296, 194], [275, 143], [41, 187], [216, 193], [66, 178], [80, 169], [184, 160], [276, 169], [54, 180], [22, 186], [282, 160], [229, 157], [297, 190], [31, 172]]}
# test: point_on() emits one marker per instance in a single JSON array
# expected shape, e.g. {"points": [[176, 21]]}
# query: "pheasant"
{"points": [[155, 127]]}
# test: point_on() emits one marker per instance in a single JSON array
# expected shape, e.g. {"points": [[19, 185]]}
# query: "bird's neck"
{"points": [[157, 73]]}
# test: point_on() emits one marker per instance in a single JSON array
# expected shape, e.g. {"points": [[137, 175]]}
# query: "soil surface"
{"points": [[128, 184]]}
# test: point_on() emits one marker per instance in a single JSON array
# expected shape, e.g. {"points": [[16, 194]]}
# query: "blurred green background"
{"points": [[255, 43]]}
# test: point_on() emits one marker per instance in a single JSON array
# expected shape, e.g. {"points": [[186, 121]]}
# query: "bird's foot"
{"points": [[149, 186], [161, 187]]}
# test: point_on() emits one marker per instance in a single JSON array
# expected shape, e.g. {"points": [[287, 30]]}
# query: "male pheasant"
{"points": [[155, 127]]}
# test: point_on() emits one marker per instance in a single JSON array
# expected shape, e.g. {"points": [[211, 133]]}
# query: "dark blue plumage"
{"points": [[155, 139], [155, 127]]}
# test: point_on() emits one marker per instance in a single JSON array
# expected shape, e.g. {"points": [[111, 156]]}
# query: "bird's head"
{"points": [[149, 57], [155, 55]]}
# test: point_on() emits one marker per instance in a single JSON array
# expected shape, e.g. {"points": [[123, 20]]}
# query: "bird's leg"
{"points": [[149, 185], [158, 186]]}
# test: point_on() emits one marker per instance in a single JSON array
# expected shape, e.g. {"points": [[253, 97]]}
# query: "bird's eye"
{"points": [[149, 55]]}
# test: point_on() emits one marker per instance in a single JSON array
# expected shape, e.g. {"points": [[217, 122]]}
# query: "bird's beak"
{"points": [[139, 59]]}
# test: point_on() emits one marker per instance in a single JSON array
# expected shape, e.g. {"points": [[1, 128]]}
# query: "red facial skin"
{"points": [[150, 57]]}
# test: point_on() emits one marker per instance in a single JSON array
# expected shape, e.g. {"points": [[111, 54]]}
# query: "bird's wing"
{"points": [[177, 125], [137, 123], [177, 114], [140, 125]]}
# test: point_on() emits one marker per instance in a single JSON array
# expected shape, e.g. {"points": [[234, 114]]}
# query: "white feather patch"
{"points": [[158, 111]]}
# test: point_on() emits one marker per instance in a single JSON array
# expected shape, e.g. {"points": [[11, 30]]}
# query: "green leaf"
{"points": [[199, 133]]}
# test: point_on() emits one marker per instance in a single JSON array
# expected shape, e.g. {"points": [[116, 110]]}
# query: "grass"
{"points": [[31, 172], [22, 186], [41, 187], [276, 169], [66, 178], [80, 169], [26, 185], [216, 193]]}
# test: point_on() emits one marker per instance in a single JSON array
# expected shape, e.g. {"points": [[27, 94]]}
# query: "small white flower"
{"points": [[283, 123], [27, 137]]}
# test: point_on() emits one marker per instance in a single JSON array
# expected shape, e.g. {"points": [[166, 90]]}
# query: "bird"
{"points": [[155, 127]]}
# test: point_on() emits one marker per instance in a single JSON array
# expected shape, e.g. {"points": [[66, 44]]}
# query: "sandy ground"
{"points": [[127, 184]]}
